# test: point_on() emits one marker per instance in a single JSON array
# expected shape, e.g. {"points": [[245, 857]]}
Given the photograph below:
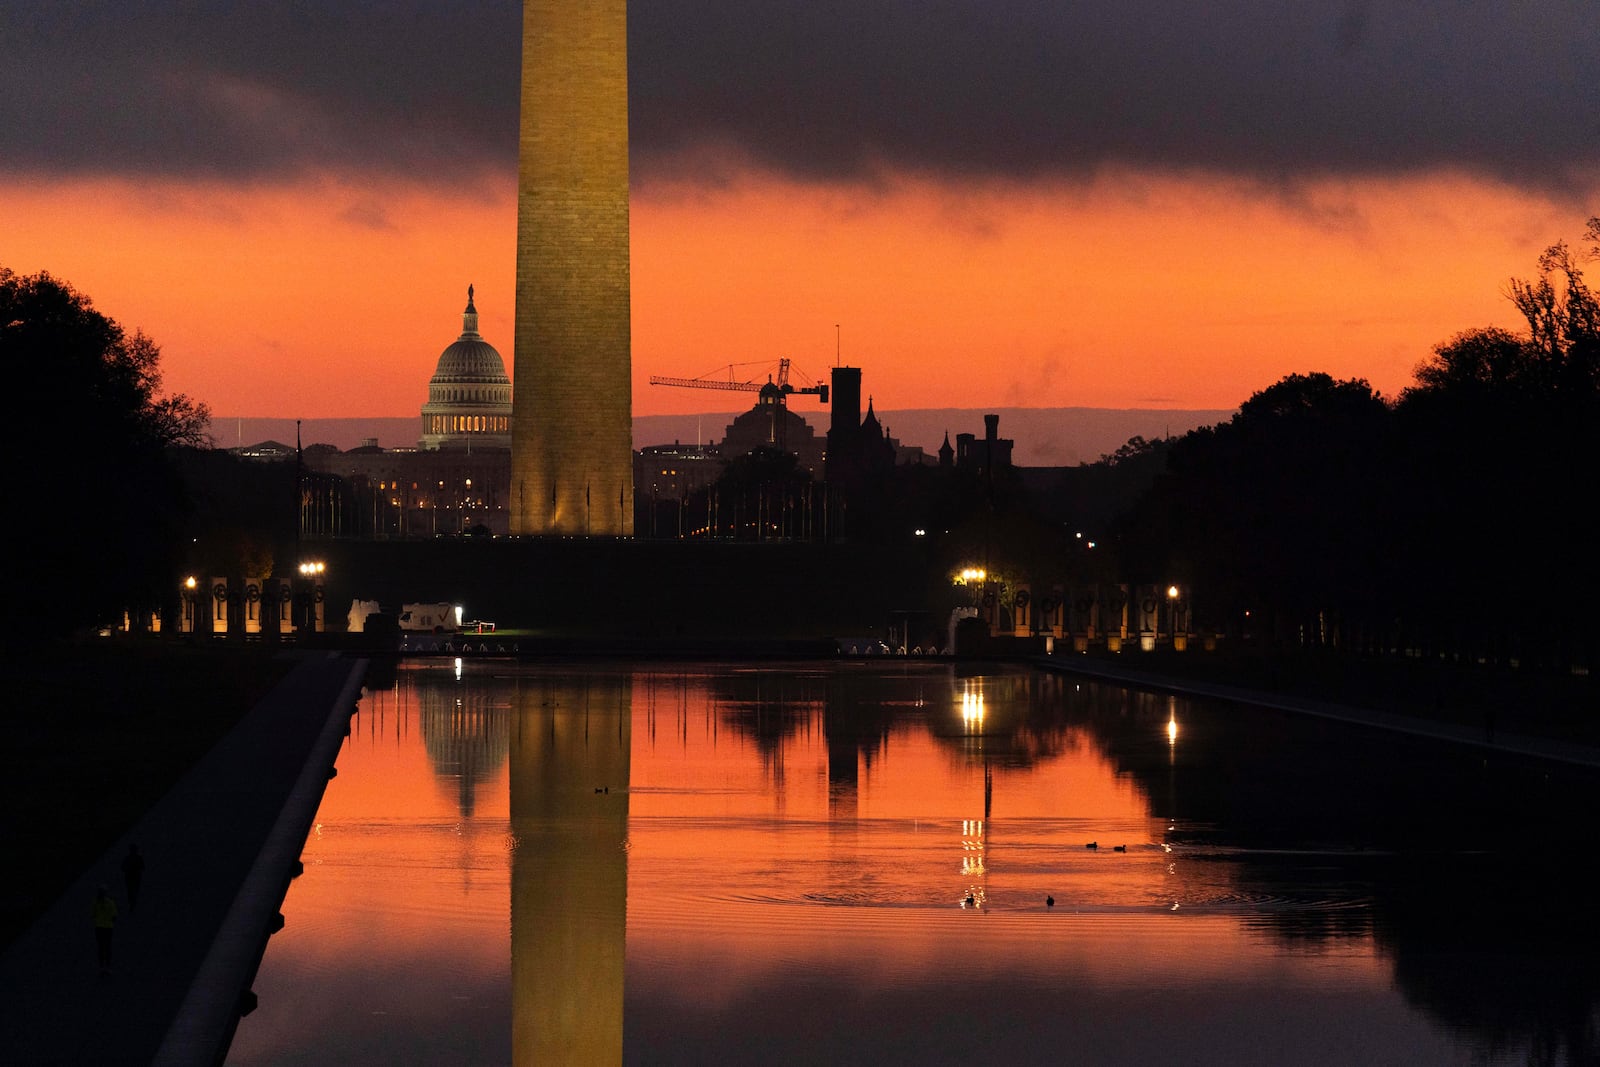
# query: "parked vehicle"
{"points": [[428, 618]]}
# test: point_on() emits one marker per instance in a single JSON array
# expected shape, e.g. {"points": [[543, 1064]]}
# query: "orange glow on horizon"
{"points": [[330, 299]]}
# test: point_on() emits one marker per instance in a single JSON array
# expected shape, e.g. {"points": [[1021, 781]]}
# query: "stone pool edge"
{"points": [[204, 1026]]}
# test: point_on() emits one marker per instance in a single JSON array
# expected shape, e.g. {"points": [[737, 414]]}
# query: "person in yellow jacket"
{"points": [[104, 914]]}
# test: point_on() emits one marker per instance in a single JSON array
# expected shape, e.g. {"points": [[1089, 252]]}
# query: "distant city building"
{"points": [[992, 453], [469, 396], [672, 472], [404, 493], [664, 478], [860, 447], [879, 447], [264, 452], [844, 431], [770, 424]]}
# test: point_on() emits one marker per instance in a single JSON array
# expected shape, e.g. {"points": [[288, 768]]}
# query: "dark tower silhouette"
{"points": [[844, 431], [988, 455]]}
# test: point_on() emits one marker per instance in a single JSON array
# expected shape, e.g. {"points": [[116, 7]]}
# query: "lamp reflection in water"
{"points": [[1172, 768], [972, 705], [973, 868], [974, 832], [1172, 731]]}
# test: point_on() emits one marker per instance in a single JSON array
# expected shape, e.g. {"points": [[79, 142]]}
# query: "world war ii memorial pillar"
{"points": [[572, 411]]}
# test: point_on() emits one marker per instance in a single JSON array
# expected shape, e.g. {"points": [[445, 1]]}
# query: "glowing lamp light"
{"points": [[1172, 730], [972, 707], [189, 582], [459, 614], [1172, 592]]}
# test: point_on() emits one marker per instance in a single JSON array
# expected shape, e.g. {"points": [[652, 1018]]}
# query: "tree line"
{"points": [[97, 525], [1454, 519]]}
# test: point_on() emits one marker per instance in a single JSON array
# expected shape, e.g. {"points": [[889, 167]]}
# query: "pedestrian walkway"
{"points": [[217, 850], [1484, 737]]}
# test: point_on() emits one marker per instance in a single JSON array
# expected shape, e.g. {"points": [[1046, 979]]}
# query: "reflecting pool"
{"points": [[856, 862]]}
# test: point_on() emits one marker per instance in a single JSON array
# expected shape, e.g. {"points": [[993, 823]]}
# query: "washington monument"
{"points": [[572, 411]]}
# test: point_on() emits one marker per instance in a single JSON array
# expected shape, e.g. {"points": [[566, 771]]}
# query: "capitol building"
{"points": [[469, 395], [455, 481]]}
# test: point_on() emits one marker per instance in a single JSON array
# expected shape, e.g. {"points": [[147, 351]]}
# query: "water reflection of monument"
{"points": [[464, 732], [570, 755]]}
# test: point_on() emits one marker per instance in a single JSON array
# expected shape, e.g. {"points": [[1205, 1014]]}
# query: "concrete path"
{"points": [[1472, 736], [217, 851]]}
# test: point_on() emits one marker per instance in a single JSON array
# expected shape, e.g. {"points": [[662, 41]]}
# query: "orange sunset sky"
{"points": [[985, 223]]}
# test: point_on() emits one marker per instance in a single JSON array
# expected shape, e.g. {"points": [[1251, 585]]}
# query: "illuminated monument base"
{"points": [[571, 428]]}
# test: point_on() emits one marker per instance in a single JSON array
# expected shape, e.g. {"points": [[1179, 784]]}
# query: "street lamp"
{"points": [[310, 615], [973, 578], [1176, 623], [190, 584]]}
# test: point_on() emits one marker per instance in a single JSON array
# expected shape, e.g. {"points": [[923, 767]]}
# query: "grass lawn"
{"points": [[96, 732]]}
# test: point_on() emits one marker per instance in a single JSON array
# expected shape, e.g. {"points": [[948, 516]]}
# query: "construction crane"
{"points": [[785, 389]]}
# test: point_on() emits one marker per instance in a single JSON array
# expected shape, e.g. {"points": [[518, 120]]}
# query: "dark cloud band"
{"points": [[824, 89]]}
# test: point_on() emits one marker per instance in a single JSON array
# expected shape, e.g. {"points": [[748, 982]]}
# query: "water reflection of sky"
{"points": [[737, 864]]}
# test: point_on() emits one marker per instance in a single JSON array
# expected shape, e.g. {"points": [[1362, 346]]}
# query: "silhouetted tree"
{"points": [[1487, 362], [1132, 450], [1273, 512], [1496, 439], [101, 503], [1452, 522], [1563, 315]]}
